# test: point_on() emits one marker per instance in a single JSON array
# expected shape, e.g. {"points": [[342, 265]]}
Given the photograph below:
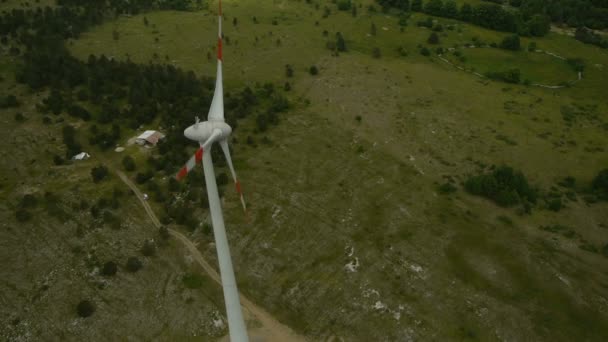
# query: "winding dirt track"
{"points": [[271, 329]]}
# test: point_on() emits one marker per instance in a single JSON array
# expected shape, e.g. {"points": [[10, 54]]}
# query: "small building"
{"points": [[81, 156], [149, 138]]}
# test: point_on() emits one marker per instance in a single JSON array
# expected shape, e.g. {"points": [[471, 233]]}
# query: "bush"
{"points": [[510, 43], [509, 76], [313, 70], [599, 185], [23, 215], [149, 248], [99, 173], [163, 232], [433, 38], [133, 264], [28, 201], [192, 280], [344, 5], [376, 53], [128, 163], [85, 308], [109, 269], [447, 188], [19, 117], [9, 101], [425, 52]]}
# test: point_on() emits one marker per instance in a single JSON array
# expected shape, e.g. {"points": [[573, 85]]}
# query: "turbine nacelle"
{"points": [[201, 131]]}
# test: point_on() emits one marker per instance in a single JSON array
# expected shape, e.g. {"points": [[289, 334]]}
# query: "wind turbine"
{"points": [[215, 129]]}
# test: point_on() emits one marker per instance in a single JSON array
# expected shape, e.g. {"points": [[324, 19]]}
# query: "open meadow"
{"points": [[352, 230]]}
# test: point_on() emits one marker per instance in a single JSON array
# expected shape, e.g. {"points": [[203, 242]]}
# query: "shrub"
{"points": [[148, 248], [313, 70], [109, 269], [425, 52], [19, 117], [509, 76], [344, 5], [192, 280], [447, 188], [128, 163], [163, 232], [28, 201], [23, 215], [376, 53], [288, 70], [599, 185], [99, 173], [511, 43], [85, 308], [133, 264]]}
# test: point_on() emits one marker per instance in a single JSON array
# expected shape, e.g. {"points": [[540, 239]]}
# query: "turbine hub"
{"points": [[201, 131]]}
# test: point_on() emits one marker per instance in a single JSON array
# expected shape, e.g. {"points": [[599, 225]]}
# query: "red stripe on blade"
{"points": [[219, 49], [198, 156], [238, 187], [182, 173]]}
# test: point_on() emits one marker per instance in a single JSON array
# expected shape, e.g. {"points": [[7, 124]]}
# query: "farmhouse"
{"points": [[149, 138]]}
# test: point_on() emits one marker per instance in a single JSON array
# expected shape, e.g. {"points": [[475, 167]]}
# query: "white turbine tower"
{"points": [[206, 133]]}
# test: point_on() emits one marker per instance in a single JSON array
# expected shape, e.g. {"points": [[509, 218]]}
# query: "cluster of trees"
{"points": [[574, 13], [509, 76], [587, 36], [121, 93], [490, 15], [504, 185]]}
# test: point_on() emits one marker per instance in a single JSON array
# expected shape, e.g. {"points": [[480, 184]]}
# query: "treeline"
{"points": [[525, 17], [492, 16]]}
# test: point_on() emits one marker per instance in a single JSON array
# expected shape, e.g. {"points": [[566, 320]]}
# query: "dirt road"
{"points": [[271, 330]]}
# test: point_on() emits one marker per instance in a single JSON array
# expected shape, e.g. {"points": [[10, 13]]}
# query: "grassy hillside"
{"points": [[348, 232]]}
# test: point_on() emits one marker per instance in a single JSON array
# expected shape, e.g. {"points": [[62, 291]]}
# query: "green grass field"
{"points": [[328, 190]]}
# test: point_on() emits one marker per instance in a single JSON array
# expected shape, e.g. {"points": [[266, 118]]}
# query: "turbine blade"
{"points": [[216, 112], [198, 156], [190, 164], [237, 184]]}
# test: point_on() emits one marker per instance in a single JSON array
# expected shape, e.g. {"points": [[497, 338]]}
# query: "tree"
{"points": [[313, 70], [344, 5], [163, 232], [372, 30], [450, 9], [376, 53], [288, 70], [128, 163], [433, 38], [416, 5], [23, 215], [354, 10], [340, 43], [109, 269], [425, 52], [98, 173], [148, 248], [466, 12], [133, 264], [85, 308], [599, 185], [538, 25], [511, 43], [434, 7]]}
